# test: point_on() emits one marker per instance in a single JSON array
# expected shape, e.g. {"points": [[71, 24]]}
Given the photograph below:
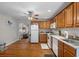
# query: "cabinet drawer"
{"points": [[70, 49]]}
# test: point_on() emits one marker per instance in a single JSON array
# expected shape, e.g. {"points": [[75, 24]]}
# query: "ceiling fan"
{"points": [[31, 15]]}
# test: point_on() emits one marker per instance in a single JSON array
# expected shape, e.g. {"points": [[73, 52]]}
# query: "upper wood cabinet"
{"points": [[60, 20], [41, 24], [60, 48], [52, 20], [69, 16], [44, 24], [76, 14], [48, 24]]}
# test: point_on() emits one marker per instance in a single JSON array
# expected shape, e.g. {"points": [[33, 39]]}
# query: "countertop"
{"points": [[62, 39], [43, 33]]}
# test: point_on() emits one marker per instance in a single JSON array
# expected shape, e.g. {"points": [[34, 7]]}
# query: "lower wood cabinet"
{"points": [[43, 38], [65, 50], [60, 49], [69, 51], [68, 54]]}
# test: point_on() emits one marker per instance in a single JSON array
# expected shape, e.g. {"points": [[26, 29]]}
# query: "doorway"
{"points": [[23, 31]]}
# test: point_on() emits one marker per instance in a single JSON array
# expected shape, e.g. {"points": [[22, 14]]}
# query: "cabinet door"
{"points": [[60, 49], [41, 24], [76, 14], [60, 20], [69, 51], [60, 52], [67, 54], [69, 16], [43, 38], [47, 24], [52, 20], [44, 24]]}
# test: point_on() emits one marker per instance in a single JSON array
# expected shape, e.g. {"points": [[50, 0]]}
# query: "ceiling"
{"points": [[18, 9]]}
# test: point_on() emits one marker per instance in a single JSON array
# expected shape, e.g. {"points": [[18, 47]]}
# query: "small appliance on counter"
{"points": [[53, 25]]}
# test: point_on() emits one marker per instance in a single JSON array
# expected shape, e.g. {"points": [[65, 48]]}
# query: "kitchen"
{"points": [[62, 37], [57, 33]]}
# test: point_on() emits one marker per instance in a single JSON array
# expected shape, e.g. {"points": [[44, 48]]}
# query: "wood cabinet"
{"points": [[65, 50], [67, 54], [44, 24], [69, 16], [48, 24], [76, 14], [60, 49], [60, 20], [69, 51], [52, 20], [41, 24], [43, 38]]}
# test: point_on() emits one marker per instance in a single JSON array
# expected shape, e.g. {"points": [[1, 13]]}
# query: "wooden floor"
{"points": [[23, 48]]}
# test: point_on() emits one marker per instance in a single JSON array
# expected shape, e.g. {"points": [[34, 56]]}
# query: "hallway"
{"points": [[23, 48]]}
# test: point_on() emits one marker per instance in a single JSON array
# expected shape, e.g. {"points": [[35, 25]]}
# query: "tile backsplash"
{"points": [[71, 31]]}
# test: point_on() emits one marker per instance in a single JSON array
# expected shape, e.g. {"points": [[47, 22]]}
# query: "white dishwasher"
{"points": [[55, 46], [49, 40]]}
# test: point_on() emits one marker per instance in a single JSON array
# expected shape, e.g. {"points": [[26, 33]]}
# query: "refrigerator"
{"points": [[34, 33]]}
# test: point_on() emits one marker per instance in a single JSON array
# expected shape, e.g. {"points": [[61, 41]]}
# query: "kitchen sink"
{"points": [[70, 41], [74, 42]]}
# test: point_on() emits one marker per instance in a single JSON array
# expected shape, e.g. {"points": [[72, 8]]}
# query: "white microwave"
{"points": [[53, 25]]}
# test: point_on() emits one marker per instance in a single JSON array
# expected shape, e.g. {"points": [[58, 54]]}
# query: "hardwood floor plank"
{"points": [[23, 48]]}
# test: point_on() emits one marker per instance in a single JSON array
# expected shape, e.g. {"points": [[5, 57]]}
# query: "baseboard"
{"points": [[11, 42]]}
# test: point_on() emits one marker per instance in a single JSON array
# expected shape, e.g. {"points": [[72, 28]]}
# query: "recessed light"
{"points": [[49, 10]]}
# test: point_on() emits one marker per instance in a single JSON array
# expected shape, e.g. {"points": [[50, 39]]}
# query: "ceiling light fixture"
{"points": [[27, 12], [30, 18]]}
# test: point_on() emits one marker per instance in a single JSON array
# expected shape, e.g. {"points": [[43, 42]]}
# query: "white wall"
{"points": [[25, 21], [8, 33]]}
